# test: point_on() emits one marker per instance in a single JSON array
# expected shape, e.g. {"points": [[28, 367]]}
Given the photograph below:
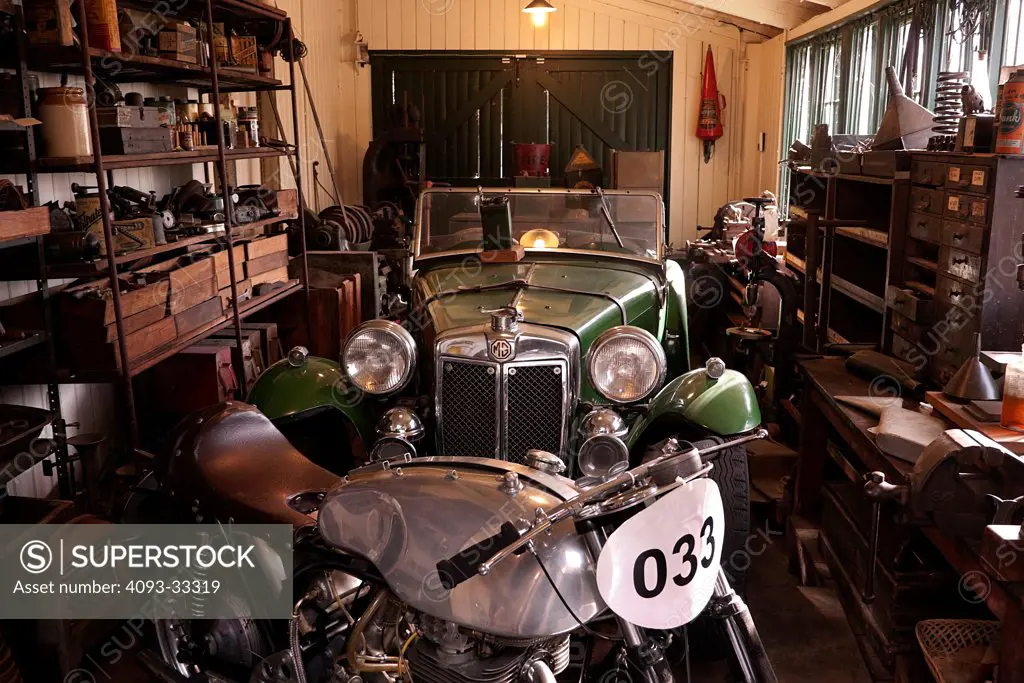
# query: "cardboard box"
{"points": [[266, 246], [243, 53], [129, 235], [177, 40]]}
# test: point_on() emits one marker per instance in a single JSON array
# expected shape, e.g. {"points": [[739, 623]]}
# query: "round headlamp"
{"points": [[379, 357], [602, 455], [626, 364]]}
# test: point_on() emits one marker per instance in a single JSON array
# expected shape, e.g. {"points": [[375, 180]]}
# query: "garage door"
{"points": [[475, 105]]}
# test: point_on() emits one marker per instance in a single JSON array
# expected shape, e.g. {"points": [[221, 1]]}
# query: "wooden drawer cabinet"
{"points": [[968, 178], [963, 225], [967, 207], [926, 200], [925, 227], [925, 172]]}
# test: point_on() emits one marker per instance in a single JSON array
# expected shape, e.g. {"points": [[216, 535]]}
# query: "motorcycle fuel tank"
{"points": [[406, 519]]}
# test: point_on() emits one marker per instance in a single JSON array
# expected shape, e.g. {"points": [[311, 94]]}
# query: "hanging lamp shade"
{"points": [[539, 10]]}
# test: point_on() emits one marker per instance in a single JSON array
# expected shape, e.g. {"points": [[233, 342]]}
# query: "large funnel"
{"points": [[906, 124]]}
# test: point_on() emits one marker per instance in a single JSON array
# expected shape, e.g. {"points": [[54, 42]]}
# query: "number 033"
{"points": [[683, 548]]}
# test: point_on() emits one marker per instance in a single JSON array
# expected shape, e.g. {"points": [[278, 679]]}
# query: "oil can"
{"points": [[1010, 138]]}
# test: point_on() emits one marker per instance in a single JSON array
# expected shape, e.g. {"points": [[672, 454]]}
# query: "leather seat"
{"points": [[235, 463]]}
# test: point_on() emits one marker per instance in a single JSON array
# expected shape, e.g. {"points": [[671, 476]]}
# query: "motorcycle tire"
{"points": [[732, 474]]}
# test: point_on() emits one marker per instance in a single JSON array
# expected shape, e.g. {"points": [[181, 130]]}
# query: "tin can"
{"points": [[1010, 137]]}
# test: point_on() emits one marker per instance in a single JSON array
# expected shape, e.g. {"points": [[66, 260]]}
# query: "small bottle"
{"points": [[1013, 395]]}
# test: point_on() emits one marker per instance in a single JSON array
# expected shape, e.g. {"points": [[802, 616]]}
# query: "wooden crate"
{"points": [[266, 246], [288, 202], [90, 305], [190, 285], [223, 271], [266, 263], [244, 288], [199, 315], [276, 275], [95, 356], [24, 223]]}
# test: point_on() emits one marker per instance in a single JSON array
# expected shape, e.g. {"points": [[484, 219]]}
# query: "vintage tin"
{"points": [[1010, 138]]}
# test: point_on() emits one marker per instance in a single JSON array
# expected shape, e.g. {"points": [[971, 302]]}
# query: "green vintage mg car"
{"points": [[544, 327]]}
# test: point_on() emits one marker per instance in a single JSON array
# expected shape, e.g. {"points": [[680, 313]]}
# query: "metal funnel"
{"points": [[906, 124], [973, 381]]}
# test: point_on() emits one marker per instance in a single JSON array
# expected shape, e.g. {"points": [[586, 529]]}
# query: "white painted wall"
{"points": [[342, 89]]}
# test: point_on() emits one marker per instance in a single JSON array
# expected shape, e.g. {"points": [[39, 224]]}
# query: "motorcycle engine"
{"points": [[446, 654]]}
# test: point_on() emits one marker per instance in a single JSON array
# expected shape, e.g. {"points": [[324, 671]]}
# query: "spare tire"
{"points": [[731, 472]]}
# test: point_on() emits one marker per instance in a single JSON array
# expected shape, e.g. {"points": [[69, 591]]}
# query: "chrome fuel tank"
{"points": [[406, 519]]}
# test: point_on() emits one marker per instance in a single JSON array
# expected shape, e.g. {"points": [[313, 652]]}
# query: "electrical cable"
{"points": [[554, 587]]}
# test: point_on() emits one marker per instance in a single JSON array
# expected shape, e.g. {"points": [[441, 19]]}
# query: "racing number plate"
{"points": [[658, 569]]}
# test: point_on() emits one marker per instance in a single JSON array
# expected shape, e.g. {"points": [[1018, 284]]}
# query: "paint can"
{"points": [[1010, 137]]}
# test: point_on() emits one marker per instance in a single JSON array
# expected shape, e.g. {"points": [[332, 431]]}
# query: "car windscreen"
{"points": [[624, 224]]}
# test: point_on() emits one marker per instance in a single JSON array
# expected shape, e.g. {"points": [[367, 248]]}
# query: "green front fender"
{"points": [[285, 390], [724, 406]]}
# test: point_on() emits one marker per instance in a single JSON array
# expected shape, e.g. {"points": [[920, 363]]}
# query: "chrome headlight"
{"points": [[626, 364], [379, 357]]}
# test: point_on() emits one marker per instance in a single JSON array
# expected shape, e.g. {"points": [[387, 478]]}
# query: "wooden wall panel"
{"points": [[343, 90]]}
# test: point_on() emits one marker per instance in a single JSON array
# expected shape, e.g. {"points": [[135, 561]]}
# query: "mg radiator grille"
{"points": [[469, 409], [487, 410], [534, 400]]}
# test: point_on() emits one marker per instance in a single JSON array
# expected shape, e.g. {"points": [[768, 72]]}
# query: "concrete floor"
{"points": [[803, 629]]}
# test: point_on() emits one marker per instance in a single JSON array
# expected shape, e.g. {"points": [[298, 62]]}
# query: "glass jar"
{"points": [[64, 112], [1013, 395]]}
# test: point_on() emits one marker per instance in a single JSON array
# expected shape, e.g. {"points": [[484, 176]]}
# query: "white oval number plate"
{"points": [[658, 569]]}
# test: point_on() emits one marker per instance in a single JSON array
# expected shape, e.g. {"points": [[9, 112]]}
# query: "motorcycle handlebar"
{"points": [[465, 564]]}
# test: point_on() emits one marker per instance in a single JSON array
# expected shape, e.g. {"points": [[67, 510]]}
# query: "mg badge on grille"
{"points": [[501, 349]]}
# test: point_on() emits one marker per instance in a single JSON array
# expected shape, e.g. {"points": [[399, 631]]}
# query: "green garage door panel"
{"points": [[474, 105]]}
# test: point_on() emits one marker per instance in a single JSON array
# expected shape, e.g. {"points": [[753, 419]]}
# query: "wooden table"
{"points": [[822, 415]]}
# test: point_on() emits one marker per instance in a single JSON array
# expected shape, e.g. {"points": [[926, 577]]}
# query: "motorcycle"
{"points": [[462, 569]]}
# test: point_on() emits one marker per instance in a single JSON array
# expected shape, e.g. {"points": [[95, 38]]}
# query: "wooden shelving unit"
{"points": [[214, 79], [855, 259]]}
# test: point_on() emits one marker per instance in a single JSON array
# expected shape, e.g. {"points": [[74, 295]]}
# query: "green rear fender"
{"points": [[725, 406], [285, 390]]}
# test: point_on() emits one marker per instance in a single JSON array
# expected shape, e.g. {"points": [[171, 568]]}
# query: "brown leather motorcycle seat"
{"points": [[235, 463]]}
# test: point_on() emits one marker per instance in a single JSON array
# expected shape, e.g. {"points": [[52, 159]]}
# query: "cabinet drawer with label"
{"points": [[966, 207], [963, 236], [925, 227], [927, 172], [967, 178], [925, 200]]}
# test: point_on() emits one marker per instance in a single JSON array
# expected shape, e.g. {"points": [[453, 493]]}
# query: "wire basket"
{"points": [[958, 650]]}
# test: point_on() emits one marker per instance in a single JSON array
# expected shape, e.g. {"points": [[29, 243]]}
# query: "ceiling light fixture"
{"points": [[539, 11]]}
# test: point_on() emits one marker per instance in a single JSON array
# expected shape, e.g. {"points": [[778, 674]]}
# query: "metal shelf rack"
{"points": [[208, 79]]}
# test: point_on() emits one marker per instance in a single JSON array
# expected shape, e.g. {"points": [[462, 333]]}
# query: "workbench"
{"points": [[822, 417]]}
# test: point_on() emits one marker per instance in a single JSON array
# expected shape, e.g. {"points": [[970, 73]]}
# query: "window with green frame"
{"points": [[838, 76]]}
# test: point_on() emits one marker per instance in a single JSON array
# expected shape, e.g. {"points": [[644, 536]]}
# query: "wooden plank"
{"points": [[24, 223], [955, 413]]}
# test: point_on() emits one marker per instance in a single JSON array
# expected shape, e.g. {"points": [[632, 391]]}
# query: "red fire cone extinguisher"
{"points": [[712, 104]]}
